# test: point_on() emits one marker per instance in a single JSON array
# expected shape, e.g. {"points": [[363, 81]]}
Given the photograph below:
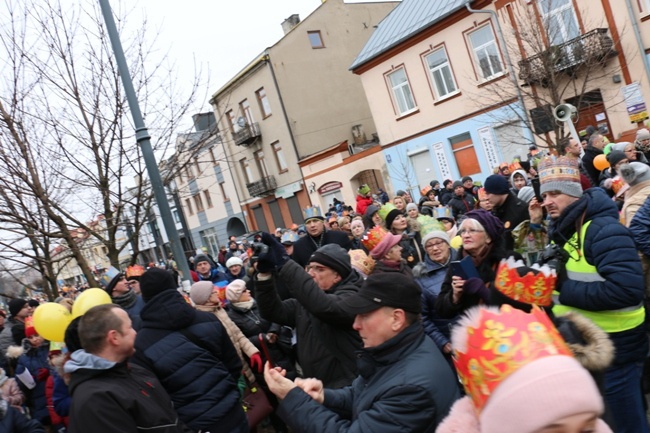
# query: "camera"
{"points": [[552, 256], [257, 250]]}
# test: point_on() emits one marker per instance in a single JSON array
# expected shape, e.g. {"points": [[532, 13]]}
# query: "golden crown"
{"points": [[373, 237], [558, 169], [534, 287]]}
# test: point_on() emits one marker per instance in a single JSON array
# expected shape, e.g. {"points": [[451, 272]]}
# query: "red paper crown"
{"points": [[482, 195], [373, 237], [514, 166], [493, 344], [535, 287], [134, 271]]}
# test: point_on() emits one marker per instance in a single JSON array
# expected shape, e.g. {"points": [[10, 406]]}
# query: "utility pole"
{"points": [[142, 138]]}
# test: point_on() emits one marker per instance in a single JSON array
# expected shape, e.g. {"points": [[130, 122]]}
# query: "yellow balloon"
{"points": [[89, 299], [51, 320]]}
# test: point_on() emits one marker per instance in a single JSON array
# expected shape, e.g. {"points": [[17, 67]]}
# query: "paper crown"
{"points": [[106, 278], [313, 212], [30, 330], [424, 191], [443, 212], [558, 169], [490, 345], [134, 271], [383, 211], [482, 195], [514, 166], [617, 183], [535, 286], [361, 261], [372, 237], [363, 189], [429, 224]]}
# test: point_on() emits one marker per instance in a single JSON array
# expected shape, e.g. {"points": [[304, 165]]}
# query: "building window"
{"points": [[265, 107], [279, 157], [560, 20], [198, 201], [210, 240], [230, 117], [188, 171], [401, 91], [188, 204], [465, 154], [246, 169], [486, 52], [208, 199], [177, 217], [645, 7], [261, 164], [214, 160], [246, 111], [442, 76], [315, 39], [196, 165], [224, 194]]}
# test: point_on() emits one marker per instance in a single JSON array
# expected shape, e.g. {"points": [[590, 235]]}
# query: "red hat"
{"points": [[30, 331]]}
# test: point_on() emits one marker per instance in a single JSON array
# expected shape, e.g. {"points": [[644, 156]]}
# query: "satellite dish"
{"points": [[241, 121]]}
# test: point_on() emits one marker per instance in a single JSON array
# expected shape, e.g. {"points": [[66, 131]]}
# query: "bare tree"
{"points": [[67, 148]]}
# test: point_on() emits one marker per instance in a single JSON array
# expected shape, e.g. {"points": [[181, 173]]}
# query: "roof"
{"points": [[408, 18]]}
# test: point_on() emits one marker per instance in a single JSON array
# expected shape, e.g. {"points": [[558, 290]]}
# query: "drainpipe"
{"points": [[506, 55], [637, 35]]}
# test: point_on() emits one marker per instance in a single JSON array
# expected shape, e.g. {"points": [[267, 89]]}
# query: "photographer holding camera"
{"points": [[326, 340], [600, 277]]}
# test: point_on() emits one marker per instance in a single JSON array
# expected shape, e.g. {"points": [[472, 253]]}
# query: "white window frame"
{"points": [[484, 48], [646, 8], [440, 70], [279, 157], [558, 11], [401, 92]]}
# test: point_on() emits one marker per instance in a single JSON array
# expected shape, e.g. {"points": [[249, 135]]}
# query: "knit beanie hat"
{"points": [[200, 258], [496, 184], [200, 292], [387, 242], [155, 281], [615, 156], [492, 225], [634, 173], [391, 217], [560, 174], [234, 261], [558, 384], [465, 179], [235, 289], [370, 211], [334, 257], [411, 206], [436, 234], [642, 134], [15, 305], [526, 194], [71, 337], [400, 193], [457, 184]]}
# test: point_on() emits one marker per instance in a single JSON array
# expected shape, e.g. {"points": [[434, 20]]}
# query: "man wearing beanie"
{"points": [[600, 277], [207, 272], [461, 202], [122, 294], [326, 341], [317, 236], [404, 383], [19, 310], [192, 356], [505, 206]]}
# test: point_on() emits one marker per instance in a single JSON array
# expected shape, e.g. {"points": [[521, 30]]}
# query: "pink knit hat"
{"points": [[387, 242]]}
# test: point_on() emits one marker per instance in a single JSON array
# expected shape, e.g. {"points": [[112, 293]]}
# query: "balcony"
{"points": [[591, 49], [262, 187], [247, 134]]}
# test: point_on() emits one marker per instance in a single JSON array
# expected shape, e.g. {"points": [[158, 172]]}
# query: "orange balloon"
{"points": [[601, 163]]}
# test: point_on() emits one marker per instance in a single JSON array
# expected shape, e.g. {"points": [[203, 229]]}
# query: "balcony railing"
{"points": [[262, 187], [592, 48], [247, 135]]}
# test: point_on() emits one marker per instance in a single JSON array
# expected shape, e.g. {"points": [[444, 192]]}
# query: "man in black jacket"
{"points": [[595, 148], [405, 384], [325, 339], [317, 236], [110, 395], [505, 206]]}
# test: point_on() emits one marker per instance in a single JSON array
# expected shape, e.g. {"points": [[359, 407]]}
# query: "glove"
{"points": [[42, 374], [476, 286], [256, 362], [274, 258]]}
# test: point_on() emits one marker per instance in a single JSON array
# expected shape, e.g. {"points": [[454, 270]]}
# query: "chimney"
{"points": [[290, 23]]}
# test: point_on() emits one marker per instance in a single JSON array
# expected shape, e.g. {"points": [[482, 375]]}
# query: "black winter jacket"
{"points": [[588, 163], [461, 205], [306, 245], [511, 213], [326, 340], [109, 397], [201, 379], [405, 385]]}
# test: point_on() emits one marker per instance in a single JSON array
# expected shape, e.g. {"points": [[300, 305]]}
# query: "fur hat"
{"points": [[15, 305], [334, 257], [235, 289], [155, 281], [634, 173], [387, 242], [496, 184], [200, 292], [234, 261], [436, 234]]}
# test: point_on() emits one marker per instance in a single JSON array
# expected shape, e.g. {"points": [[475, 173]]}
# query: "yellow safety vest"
{"points": [[580, 270]]}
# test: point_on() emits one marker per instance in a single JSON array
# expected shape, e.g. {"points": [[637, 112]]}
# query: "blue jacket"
{"points": [[216, 276], [429, 276], [200, 378], [609, 247], [640, 228], [33, 360], [405, 385]]}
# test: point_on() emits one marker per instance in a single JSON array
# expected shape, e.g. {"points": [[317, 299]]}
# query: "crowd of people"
{"points": [[515, 305]]}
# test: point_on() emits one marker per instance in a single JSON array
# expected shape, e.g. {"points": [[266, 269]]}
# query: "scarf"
{"points": [[126, 300], [244, 306]]}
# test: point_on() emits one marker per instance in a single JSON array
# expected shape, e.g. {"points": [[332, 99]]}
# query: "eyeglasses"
{"points": [[470, 231], [432, 245]]}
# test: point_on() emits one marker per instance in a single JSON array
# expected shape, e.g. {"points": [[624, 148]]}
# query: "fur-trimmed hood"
{"points": [[590, 345]]}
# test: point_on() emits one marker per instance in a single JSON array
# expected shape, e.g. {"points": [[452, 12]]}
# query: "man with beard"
{"points": [[317, 236]]}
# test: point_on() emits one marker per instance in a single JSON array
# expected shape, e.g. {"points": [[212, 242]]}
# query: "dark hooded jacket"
{"points": [[511, 213], [326, 340], [201, 375], [304, 247], [110, 397], [609, 247], [588, 163]]}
